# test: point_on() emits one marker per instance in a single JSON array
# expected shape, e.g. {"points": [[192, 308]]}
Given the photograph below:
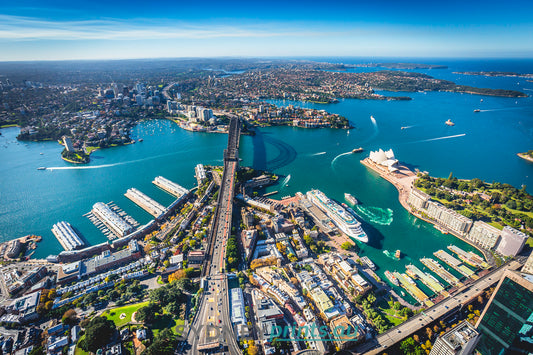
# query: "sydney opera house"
{"points": [[384, 158]]}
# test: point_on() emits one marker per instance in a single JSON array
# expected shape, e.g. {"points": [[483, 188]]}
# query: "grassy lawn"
{"points": [[167, 322], [91, 149], [114, 314], [78, 350], [390, 313], [530, 241]]}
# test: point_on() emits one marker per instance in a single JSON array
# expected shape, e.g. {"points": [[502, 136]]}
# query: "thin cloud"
{"points": [[20, 28]]}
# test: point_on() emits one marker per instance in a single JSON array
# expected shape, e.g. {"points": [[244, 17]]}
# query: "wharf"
{"points": [[469, 258], [170, 187], [441, 271], [454, 263], [146, 203], [413, 290], [426, 279]]}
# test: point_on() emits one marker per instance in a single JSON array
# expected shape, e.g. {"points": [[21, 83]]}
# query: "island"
{"points": [[496, 73], [527, 155]]}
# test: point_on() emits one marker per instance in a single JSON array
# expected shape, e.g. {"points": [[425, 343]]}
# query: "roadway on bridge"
{"points": [[214, 304]]}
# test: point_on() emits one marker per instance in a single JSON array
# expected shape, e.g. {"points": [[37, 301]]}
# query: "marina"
{"points": [[455, 263], [146, 203], [438, 269], [426, 279], [111, 220], [66, 236], [170, 187], [409, 285]]}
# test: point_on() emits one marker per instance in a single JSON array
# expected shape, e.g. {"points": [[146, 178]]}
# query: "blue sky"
{"points": [[59, 29]]}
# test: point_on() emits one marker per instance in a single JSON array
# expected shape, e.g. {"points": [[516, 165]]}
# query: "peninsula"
{"points": [[527, 155], [496, 73]]}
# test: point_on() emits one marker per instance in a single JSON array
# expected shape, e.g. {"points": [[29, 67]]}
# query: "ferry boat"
{"points": [[41, 168], [343, 219], [477, 110], [392, 278], [348, 197], [368, 262], [449, 123], [357, 150], [390, 255], [398, 254]]}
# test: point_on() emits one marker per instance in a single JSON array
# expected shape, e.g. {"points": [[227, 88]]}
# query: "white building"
{"points": [[512, 241], [484, 235]]}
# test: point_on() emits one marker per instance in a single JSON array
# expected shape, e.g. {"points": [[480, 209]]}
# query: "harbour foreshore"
{"points": [[403, 179]]}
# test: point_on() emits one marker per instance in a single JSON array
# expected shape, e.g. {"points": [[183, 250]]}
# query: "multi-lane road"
{"points": [[211, 329]]}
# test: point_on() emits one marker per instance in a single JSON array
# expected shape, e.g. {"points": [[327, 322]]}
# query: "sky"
{"points": [[119, 29]]}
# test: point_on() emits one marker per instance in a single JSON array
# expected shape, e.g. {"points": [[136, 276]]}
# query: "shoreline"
{"points": [[525, 157], [404, 195]]}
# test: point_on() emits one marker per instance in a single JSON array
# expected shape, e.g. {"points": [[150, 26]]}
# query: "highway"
{"points": [[394, 335], [213, 311]]}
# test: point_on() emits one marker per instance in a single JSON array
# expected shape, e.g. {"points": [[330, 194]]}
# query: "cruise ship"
{"points": [[344, 220], [392, 278]]}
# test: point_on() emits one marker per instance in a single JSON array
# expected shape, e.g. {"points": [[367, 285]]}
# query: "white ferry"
{"points": [[368, 262], [348, 197], [392, 278], [344, 220]]}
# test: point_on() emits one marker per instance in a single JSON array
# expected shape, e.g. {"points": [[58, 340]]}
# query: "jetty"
{"points": [[413, 290], [428, 280], [470, 258], [441, 271], [146, 203], [455, 264], [170, 187]]}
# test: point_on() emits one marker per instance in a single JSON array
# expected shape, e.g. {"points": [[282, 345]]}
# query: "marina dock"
{"points": [[455, 263], [428, 280], [146, 203], [170, 187], [470, 258], [441, 271], [111, 220], [413, 290]]}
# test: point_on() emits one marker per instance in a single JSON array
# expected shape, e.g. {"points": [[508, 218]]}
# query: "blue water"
{"points": [[480, 145]]}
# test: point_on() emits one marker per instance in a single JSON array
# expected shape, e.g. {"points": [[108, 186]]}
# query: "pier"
{"points": [[66, 236], [413, 290], [146, 203], [426, 279], [441, 271], [470, 258], [170, 187], [111, 220], [455, 263]]}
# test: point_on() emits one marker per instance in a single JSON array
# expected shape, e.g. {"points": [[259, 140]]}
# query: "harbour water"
{"points": [[480, 145]]}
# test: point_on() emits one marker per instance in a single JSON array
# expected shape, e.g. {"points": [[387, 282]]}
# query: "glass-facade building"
{"points": [[506, 324]]}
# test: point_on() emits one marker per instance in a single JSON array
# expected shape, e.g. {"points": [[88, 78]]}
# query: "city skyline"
{"points": [[58, 30]]}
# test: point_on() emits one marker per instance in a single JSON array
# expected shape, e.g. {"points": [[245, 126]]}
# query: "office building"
{"points": [[461, 340], [506, 324], [528, 266]]}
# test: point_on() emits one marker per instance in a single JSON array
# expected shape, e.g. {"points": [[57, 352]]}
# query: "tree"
{"points": [[98, 333], [69, 317], [163, 344], [147, 314], [177, 275], [346, 245]]}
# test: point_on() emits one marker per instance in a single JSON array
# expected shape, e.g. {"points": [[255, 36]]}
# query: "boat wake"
{"points": [[286, 180], [439, 138], [338, 156], [109, 165], [314, 155], [375, 214], [407, 127]]}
